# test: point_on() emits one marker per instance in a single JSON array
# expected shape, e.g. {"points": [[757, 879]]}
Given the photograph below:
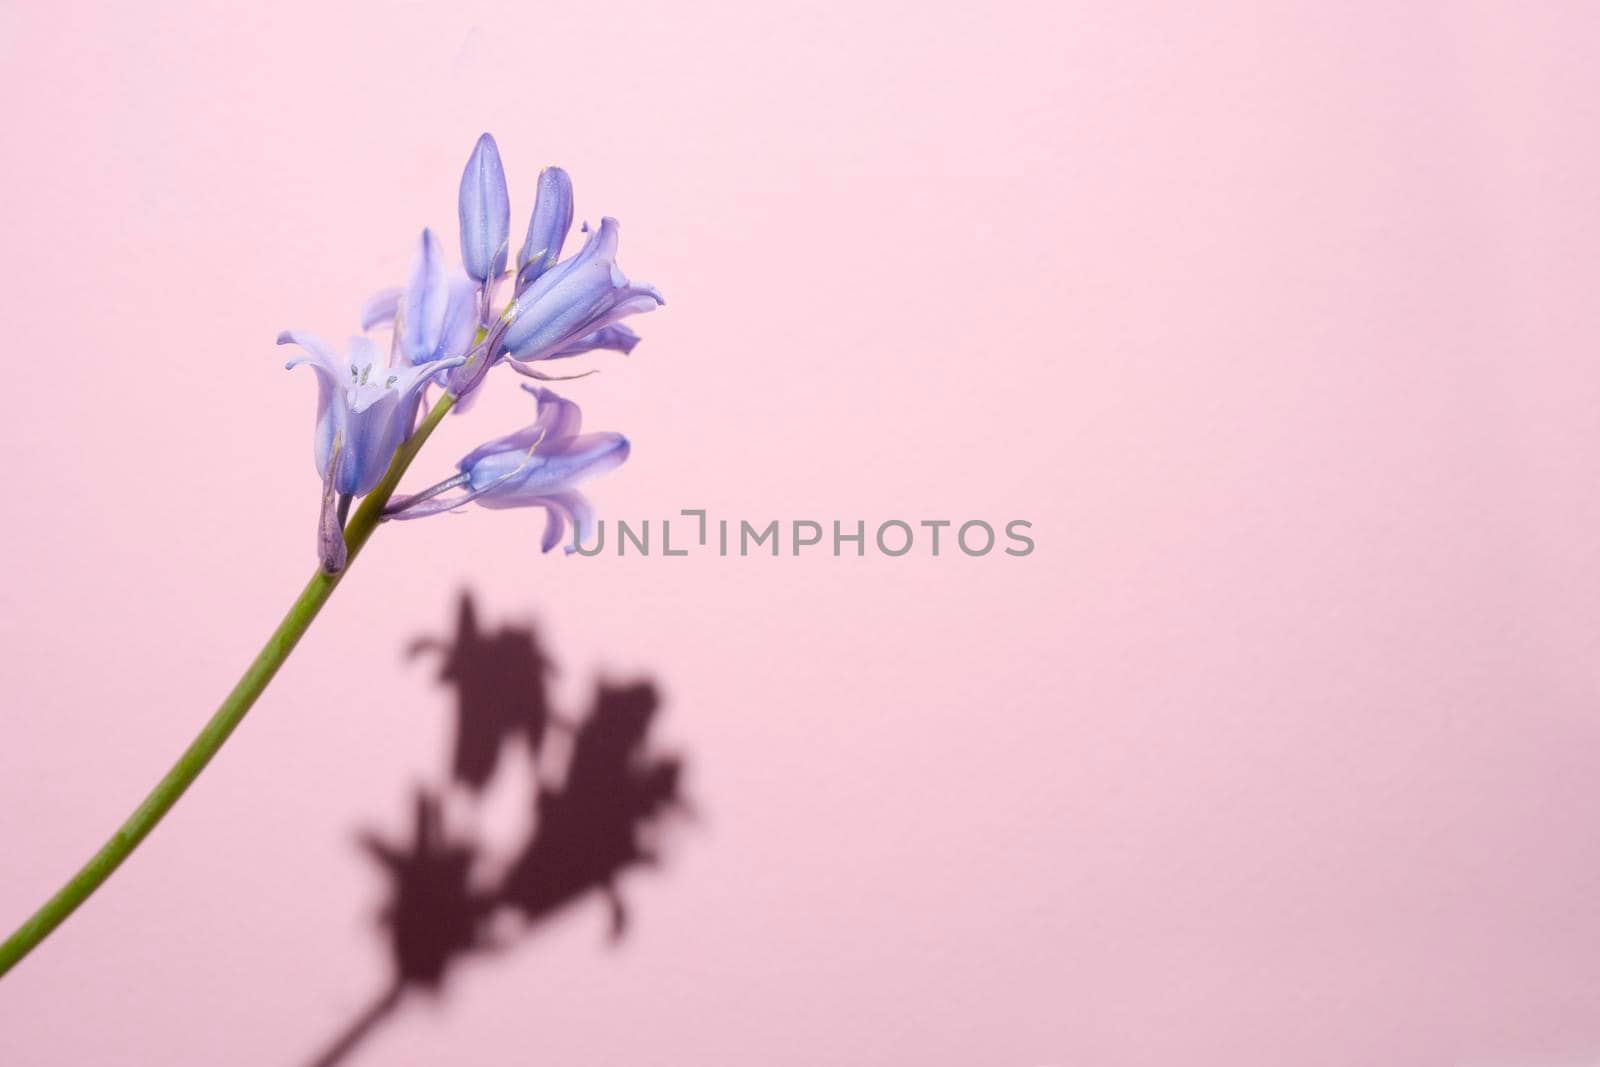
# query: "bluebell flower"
{"points": [[364, 412], [574, 299], [485, 209], [538, 466], [566, 311]]}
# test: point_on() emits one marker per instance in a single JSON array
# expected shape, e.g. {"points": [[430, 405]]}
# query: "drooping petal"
{"points": [[616, 337], [547, 228], [555, 526], [426, 301], [581, 512], [485, 210], [319, 352], [633, 298], [381, 307], [332, 374], [567, 506]]}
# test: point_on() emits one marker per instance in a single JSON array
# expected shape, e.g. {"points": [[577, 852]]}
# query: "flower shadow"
{"points": [[594, 814]]}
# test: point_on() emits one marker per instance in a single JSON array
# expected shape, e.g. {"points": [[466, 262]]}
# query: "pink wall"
{"points": [[1279, 323]]}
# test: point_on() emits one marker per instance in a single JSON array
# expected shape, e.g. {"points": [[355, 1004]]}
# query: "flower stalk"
{"points": [[228, 716], [446, 331]]}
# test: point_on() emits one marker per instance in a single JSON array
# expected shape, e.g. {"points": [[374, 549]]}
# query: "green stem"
{"points": [[233, 709]]}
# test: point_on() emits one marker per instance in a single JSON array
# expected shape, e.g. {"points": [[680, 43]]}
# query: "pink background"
{"points": [[1278, 322]]}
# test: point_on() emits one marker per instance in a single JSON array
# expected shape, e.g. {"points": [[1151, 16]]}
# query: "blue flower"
{"points": [[364, 411], [449, 329], [567, 310], [574, 299], [538, 466]]}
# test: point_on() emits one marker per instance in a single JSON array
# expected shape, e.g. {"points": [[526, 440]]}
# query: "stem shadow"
{"points": [[596, 807]]}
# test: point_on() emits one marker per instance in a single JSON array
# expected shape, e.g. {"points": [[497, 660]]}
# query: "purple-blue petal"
{"points": [[381, 307], [426, 302], [550, 469], [373, 434], [566, 506], [578, 297], [460, 318], [616, 337], [485, 211], [555, 525], [331, 371], [556, 420], [547, 228]]}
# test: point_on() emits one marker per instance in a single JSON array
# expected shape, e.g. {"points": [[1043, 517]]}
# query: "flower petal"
{"points": [[547, 228], [577, 297], [485, 211], [555, 525], [408, 380], [427, 300], [557, 419], [332, 375], [616, 337], [381, 308], [564, 465], [460, 326], [567, 506], [373, 435]]}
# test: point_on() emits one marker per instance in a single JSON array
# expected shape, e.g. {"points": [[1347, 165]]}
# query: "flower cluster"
{"points": [[447, 330]]}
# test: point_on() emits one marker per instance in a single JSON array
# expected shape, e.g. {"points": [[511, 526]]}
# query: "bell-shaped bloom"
{"points": [[357, 398], [548, 228], [574, 299], [364, 412], [485, 208], [538, 466], [435, 315]]}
